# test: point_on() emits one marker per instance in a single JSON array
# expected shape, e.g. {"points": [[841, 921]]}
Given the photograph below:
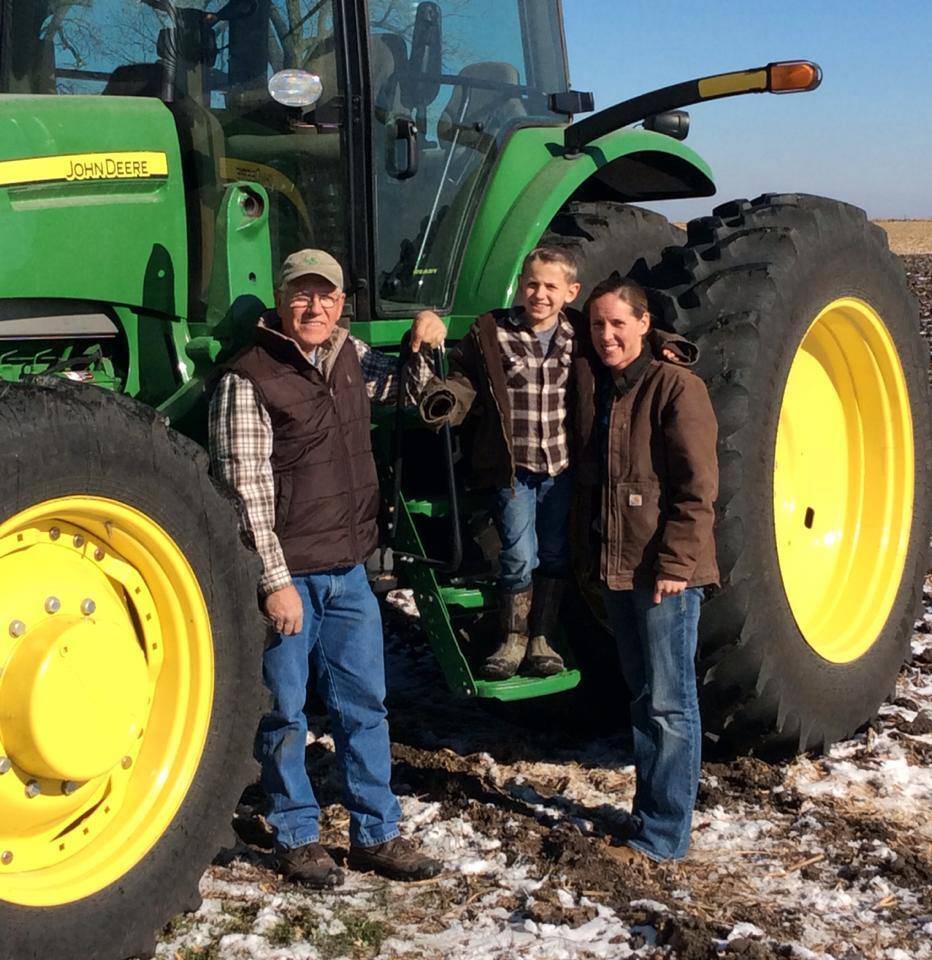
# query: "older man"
{"points": [[289, 431]]}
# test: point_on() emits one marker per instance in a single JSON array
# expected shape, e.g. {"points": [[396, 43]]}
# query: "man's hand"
{"points": [[667, 588], [285, 610], [427, 328]]}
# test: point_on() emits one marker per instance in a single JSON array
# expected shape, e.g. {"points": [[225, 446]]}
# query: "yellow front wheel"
{"points": [[129, 673]]}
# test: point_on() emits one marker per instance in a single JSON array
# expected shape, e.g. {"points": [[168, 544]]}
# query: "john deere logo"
{"points": [[124, 165], [107, 169]]}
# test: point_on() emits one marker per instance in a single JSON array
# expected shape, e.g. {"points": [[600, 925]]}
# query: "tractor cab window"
{"points": [[449, 80], [211, 61]]}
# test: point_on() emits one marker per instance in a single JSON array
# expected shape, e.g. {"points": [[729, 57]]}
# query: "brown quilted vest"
{"points": [[326, 488]]}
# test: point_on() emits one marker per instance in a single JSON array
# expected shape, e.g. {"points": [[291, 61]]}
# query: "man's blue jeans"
{"points": [[532, 520], [340, 646], [657, 648]]}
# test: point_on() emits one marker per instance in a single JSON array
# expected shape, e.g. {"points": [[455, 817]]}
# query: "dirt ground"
{"points": [[908, 236], [821, 858]]}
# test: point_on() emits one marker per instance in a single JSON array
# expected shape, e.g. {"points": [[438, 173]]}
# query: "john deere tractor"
{"points": [[156, 163]]}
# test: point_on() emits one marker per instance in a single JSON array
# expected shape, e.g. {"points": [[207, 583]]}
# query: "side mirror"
{"points": [[295, 88]]}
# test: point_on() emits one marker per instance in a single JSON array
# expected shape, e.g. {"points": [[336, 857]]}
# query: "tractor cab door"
{"points": [[449, 80]]}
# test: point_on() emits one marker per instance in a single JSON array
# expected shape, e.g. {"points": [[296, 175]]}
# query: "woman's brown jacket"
{"points": [[650, 489]]}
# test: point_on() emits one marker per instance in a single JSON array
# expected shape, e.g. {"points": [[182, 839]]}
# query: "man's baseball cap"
{"points": [[305, 263]]}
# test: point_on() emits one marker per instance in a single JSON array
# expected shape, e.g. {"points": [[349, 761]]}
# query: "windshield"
{"points": [[449, 80]]}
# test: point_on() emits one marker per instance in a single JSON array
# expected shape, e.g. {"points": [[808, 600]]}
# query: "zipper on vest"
{"points": [[350, 489]]}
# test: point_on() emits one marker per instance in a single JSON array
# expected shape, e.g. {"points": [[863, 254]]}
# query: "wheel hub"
{"points": [[74, 698]]}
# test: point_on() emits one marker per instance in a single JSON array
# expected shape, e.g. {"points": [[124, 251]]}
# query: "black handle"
{"points": [[406, 133], [446, 435]]}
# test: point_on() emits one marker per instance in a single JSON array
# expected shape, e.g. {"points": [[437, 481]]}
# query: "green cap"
{"points": [[316, 263]]}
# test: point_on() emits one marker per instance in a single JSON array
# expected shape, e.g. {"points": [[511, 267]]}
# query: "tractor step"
{"points": [[523, 688], [473, 599]]}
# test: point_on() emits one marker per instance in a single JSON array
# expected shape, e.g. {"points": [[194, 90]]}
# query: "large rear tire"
{"points": [[810, 346], [130, 642]]}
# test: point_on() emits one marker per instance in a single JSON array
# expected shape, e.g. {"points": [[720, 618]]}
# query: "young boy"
{"points": [[512, 369]]}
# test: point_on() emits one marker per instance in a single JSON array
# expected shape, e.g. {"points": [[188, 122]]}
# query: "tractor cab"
{"points": [[384, 168]]}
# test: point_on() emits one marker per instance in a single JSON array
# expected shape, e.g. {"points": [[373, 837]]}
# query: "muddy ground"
{"points": [[827, 857]]}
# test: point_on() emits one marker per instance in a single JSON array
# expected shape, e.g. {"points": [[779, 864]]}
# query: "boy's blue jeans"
{"points": [[340, 646], [532, 520], [657, 648]]}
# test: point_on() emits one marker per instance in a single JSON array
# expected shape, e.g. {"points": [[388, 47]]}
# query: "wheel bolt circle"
{"points": [[88, 606], [78, 540], [68, 787], [17, 628], [54, 533], [33, 789], [5, 765], [98, 554], [126, 763], [52, 605], [6, 857]]}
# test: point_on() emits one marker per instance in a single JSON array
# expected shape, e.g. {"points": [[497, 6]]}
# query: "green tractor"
{"points": [[156, 161]]}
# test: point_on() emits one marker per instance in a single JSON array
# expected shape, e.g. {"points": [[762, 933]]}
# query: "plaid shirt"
{"points": [[241, 442], [537, 392]]}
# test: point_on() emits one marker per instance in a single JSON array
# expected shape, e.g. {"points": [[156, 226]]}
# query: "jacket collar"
{"points": [[269, 335], [626, 378]]}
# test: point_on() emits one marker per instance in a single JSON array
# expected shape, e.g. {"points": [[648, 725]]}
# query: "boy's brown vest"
{"points": [[326, 488]]}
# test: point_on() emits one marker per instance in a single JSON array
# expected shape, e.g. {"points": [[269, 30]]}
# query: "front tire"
{"points": [[810, 346], [131, 644]]}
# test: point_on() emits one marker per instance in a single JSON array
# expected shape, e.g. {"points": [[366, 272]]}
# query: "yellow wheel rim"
{"points": [[105, 694], [843, 480]]}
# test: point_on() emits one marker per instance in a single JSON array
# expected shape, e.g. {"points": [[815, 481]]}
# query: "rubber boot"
{"points": [[504, 663], [541, 659]]}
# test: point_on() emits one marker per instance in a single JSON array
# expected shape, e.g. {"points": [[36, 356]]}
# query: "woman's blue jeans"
{"points": [[340, 647], [657, 648]]}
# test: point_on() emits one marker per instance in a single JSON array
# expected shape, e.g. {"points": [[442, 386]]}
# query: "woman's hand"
{"points": [[667, 588]]}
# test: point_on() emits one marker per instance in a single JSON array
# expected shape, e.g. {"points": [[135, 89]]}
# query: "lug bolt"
{"points": [[78, 540], [88, 607], [54, 533], [33, 789], [6, 857], [98, 554], [126, 763], [5, 765], [52, 605], [17, 628], [68, 787]]}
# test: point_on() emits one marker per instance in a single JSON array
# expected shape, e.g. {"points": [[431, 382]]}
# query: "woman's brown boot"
{"points": [[504, 663], [541, 659]]}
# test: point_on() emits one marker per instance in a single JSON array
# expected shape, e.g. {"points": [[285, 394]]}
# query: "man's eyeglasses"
{"points": [[302, 301]]}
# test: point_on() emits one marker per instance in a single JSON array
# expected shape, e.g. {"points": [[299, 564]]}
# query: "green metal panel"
{"points": [[240, 290], [117, 239], [532, 180]]}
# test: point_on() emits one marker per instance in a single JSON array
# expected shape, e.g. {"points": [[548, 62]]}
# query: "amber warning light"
{"points": [[793, 76]]}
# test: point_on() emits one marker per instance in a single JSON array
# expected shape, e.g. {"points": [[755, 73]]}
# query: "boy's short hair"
{"points": [[553, 255]]}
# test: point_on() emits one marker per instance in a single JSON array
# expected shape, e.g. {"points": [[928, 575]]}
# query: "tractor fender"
{"points": [[534, 178]]}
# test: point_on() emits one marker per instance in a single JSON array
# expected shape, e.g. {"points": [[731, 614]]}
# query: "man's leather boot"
{"points": [[310, 865], [504, 663], [398, 859], [541, 659]]}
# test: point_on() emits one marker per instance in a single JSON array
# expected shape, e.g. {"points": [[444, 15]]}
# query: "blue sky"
{"points": [[864, 136]]}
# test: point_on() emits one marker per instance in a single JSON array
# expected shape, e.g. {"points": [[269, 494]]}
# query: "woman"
{"points": [[647, 437]]}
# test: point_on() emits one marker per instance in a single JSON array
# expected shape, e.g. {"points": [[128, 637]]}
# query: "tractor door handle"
{"points": [[406, 133]]}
